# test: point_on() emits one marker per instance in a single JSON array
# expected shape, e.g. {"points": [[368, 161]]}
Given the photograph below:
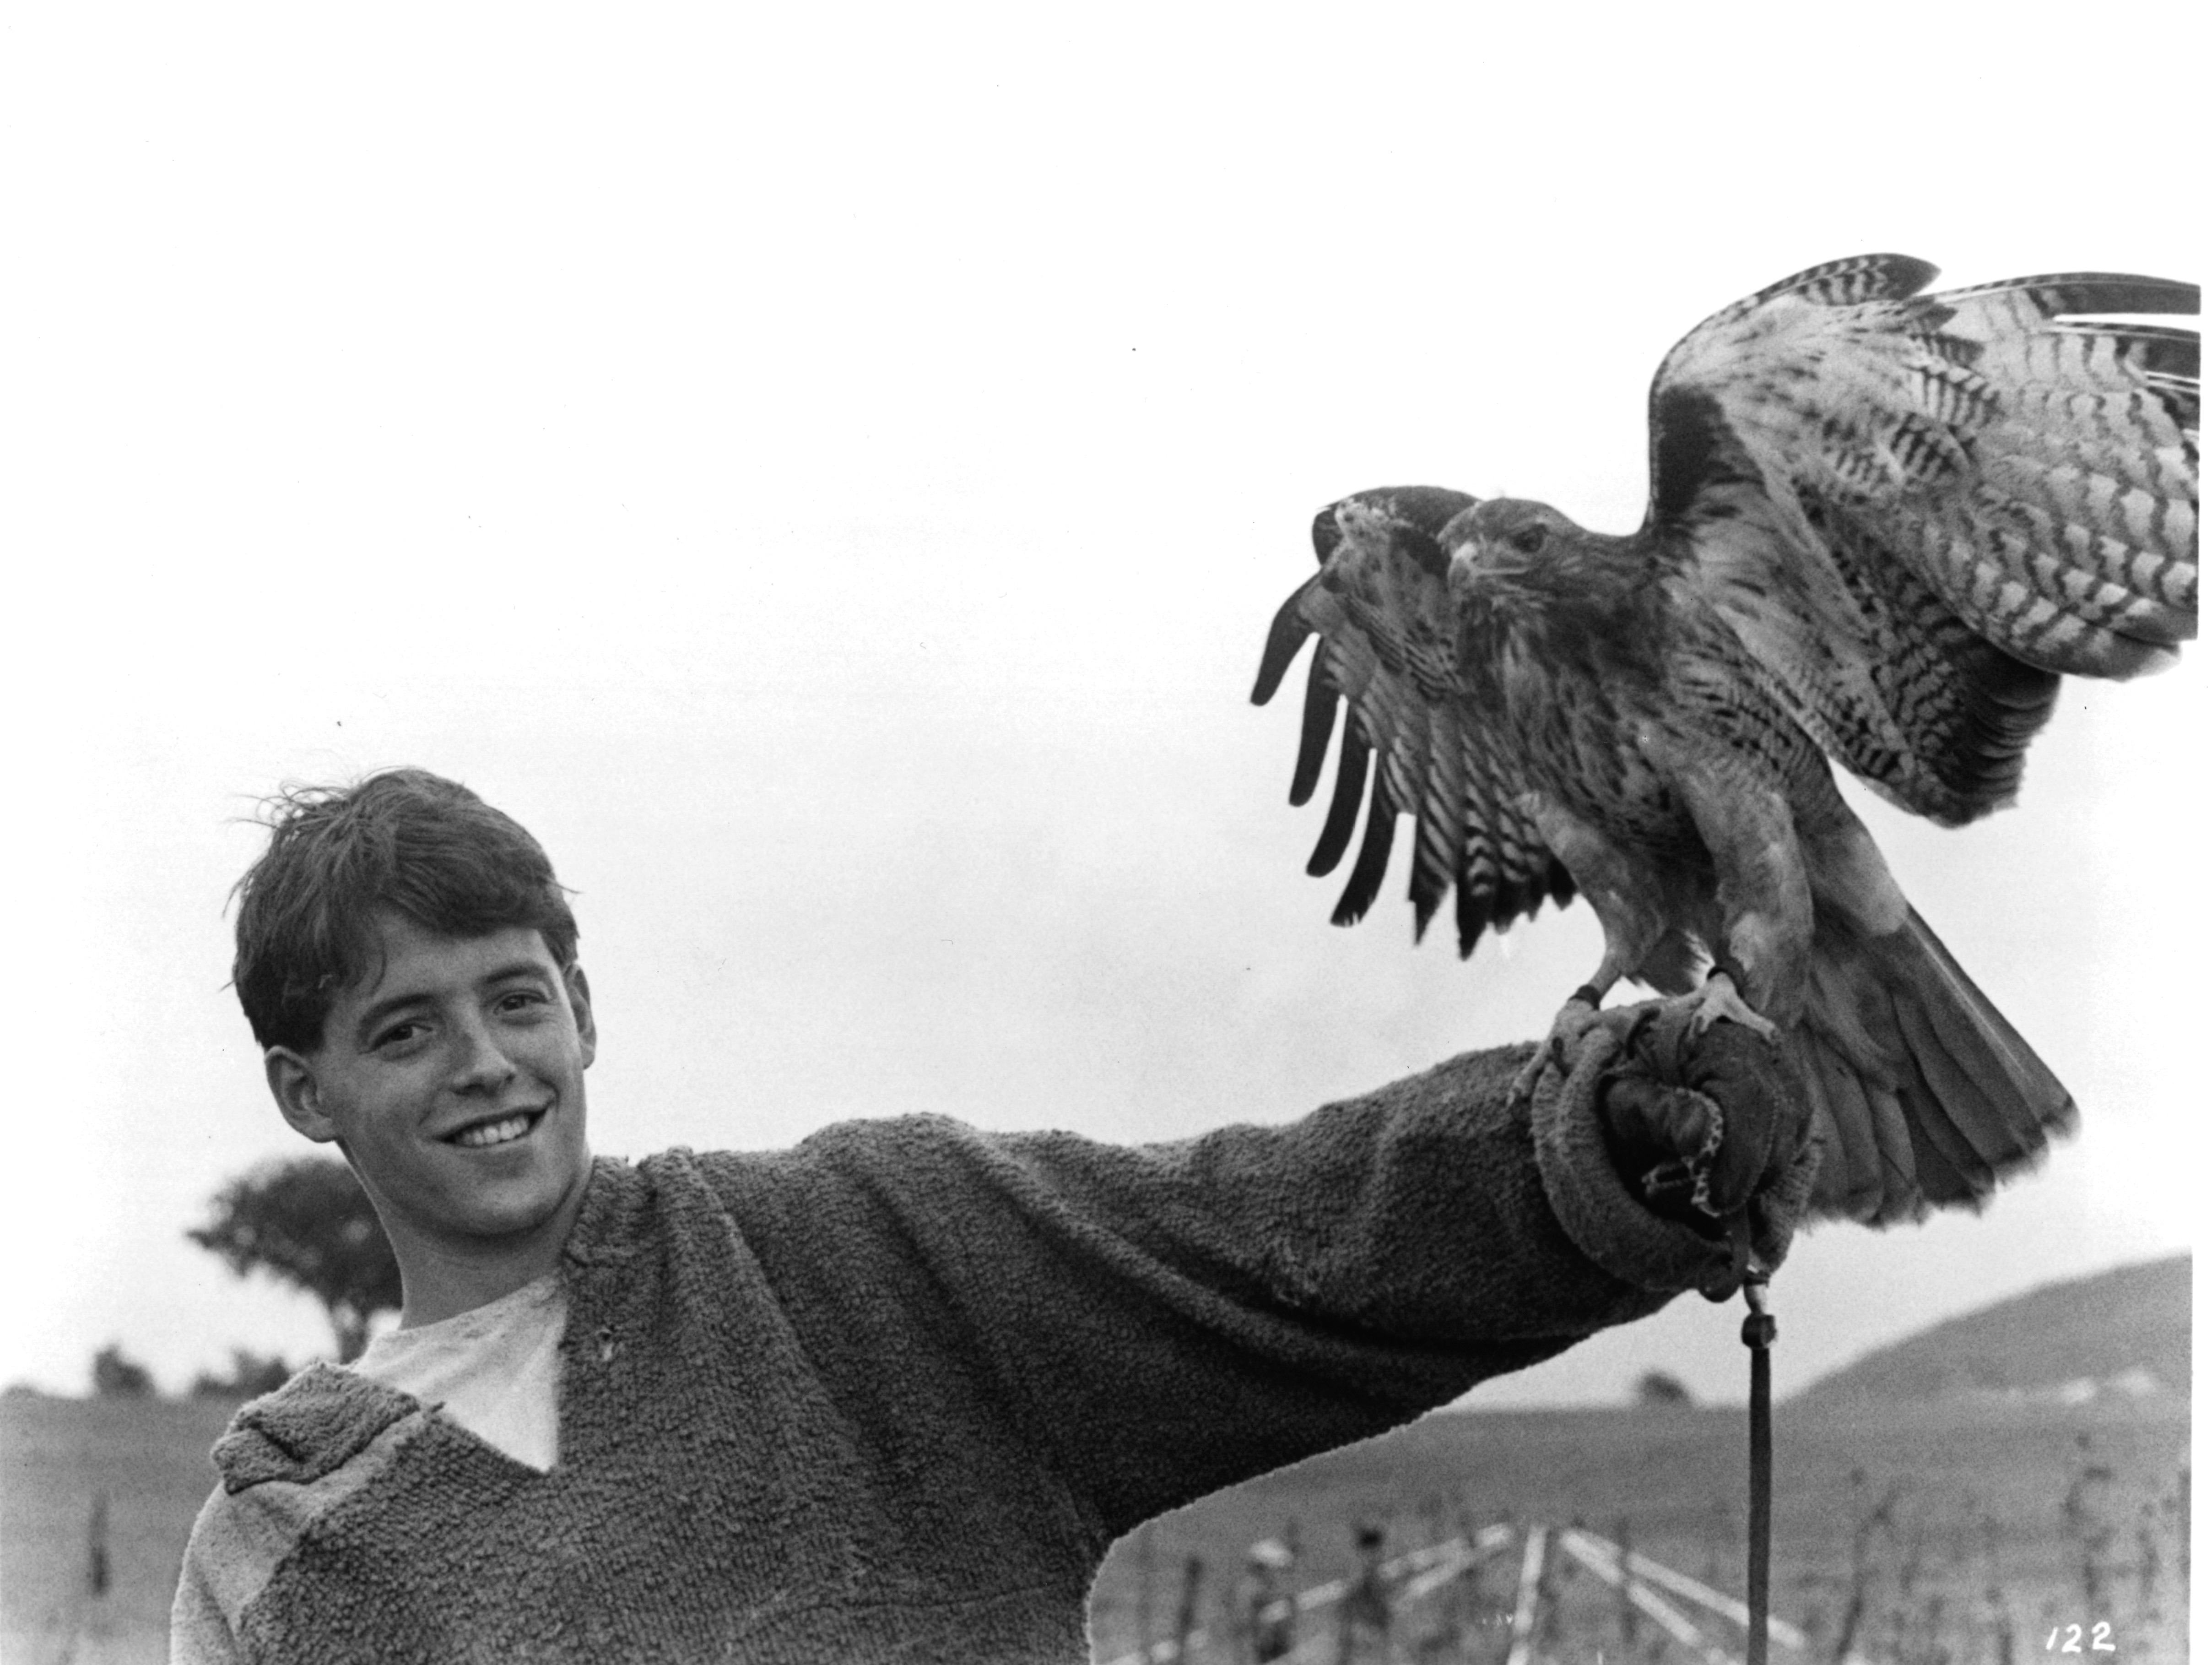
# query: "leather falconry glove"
{"points": [[1706, 1131]]}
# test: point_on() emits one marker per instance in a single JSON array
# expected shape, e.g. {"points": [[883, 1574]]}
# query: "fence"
{"points": [[1433, 1620]]}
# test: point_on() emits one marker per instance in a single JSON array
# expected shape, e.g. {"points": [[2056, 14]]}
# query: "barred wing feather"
{"points": [[1387, 655], [1918, 511]]}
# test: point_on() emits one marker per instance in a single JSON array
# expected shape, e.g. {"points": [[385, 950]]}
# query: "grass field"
{"points": [[58, 1457], [1943, 1525]]}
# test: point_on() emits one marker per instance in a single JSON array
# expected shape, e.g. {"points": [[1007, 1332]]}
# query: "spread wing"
{"points": [[1918, 511], [1387, 649]]}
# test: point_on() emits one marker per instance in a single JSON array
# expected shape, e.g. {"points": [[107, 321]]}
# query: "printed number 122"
{"points": [[2101, 1639]]}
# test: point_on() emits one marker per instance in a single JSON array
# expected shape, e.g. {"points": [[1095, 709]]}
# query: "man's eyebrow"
{"points": [[375, 1015], [515, 968], [384, 1009]]}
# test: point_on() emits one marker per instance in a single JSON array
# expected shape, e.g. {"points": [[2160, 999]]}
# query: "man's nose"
{"points": [[482, 1064]]}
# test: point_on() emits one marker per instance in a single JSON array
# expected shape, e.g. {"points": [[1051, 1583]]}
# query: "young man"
{"points": [[892, 1394]]}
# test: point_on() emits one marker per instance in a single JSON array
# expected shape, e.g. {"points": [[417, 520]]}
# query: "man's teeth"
{"points": [[494, 1133]]}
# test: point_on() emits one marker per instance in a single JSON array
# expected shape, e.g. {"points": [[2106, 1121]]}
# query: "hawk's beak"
{"points": [[1462, 575]]}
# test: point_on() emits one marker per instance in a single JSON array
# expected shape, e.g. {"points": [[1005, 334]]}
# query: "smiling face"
{"points": [[451, 1073]]}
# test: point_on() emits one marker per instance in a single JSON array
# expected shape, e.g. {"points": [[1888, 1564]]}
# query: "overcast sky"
{"points": [[830, 477]]}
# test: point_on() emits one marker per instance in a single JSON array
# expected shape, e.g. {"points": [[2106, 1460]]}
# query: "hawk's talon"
{"points": [[1574, 1019], [1718, 1000], [1523, 1093]]}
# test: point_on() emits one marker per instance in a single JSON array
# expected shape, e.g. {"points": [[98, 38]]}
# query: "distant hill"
{"points": [[2119, 1334]]}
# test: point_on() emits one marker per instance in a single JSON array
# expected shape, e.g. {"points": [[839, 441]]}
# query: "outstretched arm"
{"points": [[1156, 1321]]}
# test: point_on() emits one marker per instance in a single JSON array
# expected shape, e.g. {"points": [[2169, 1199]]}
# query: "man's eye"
{"points": [[520, 1000], [398, 1034]]}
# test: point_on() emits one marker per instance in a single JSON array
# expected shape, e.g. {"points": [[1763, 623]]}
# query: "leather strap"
{"points": [[1759, 1336]]}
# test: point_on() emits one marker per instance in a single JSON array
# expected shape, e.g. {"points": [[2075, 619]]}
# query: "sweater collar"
{"points": [[606, 1227], [318, 1420]]}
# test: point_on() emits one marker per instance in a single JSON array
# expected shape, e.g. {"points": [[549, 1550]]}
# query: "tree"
{"points": [[117, 1377], [309, 1221], [251, 1376], [1661, 1387]]}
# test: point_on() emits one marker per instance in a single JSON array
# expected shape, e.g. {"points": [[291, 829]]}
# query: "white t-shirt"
{"points": [[495, 1370]]}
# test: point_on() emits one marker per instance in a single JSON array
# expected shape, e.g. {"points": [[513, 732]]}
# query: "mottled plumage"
{"points": [[1881, 526]]}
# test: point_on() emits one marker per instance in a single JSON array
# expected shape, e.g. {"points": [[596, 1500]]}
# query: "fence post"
{"points": [[1473, 1614], [2182, 1492], [1145, 1591], [1194, 1574], [1550, 1570], [98, 1570], [1620, 1590]]}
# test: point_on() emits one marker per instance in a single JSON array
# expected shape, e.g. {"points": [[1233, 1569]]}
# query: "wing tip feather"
{"points": [[1287, 633]]}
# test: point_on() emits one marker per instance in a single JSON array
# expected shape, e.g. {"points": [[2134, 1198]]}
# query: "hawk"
{"points": [[1881, 526]]}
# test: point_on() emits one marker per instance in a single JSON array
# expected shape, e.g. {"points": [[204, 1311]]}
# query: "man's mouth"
{"points": [[505, 1130]]}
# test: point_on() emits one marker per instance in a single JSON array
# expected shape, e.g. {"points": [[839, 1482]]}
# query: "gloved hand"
{"points": [[1661, 1103], [1703, 1137]]}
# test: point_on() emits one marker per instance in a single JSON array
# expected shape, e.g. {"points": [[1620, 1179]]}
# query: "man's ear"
{"points": [[579, 1002], [293, 1086]]}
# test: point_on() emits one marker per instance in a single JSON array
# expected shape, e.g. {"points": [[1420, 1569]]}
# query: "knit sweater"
{"points": [[892, 1394]]}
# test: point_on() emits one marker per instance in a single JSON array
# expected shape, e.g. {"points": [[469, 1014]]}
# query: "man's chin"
{"points": [[525, 1205]]}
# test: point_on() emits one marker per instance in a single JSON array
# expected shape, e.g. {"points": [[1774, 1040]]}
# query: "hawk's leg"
{"points": [[1625, 893], [1762, 957]]}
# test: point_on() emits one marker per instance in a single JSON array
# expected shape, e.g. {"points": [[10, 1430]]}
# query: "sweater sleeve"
{"points": [[226, 1560], [199, 1632], [1156, 1321]]}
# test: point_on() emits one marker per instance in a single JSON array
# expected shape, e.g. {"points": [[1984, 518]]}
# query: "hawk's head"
{"points": [[1509, 553], [1523, 577]]}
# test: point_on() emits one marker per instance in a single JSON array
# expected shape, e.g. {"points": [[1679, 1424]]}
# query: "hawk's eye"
{"points": [[1529, 540]]}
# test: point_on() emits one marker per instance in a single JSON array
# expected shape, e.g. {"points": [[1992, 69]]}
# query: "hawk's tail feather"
{"points": [[1851, 1179], [1928, 1098]]}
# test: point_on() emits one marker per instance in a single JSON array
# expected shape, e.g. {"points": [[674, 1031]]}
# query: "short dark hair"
{"points": [[402, 841]]}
